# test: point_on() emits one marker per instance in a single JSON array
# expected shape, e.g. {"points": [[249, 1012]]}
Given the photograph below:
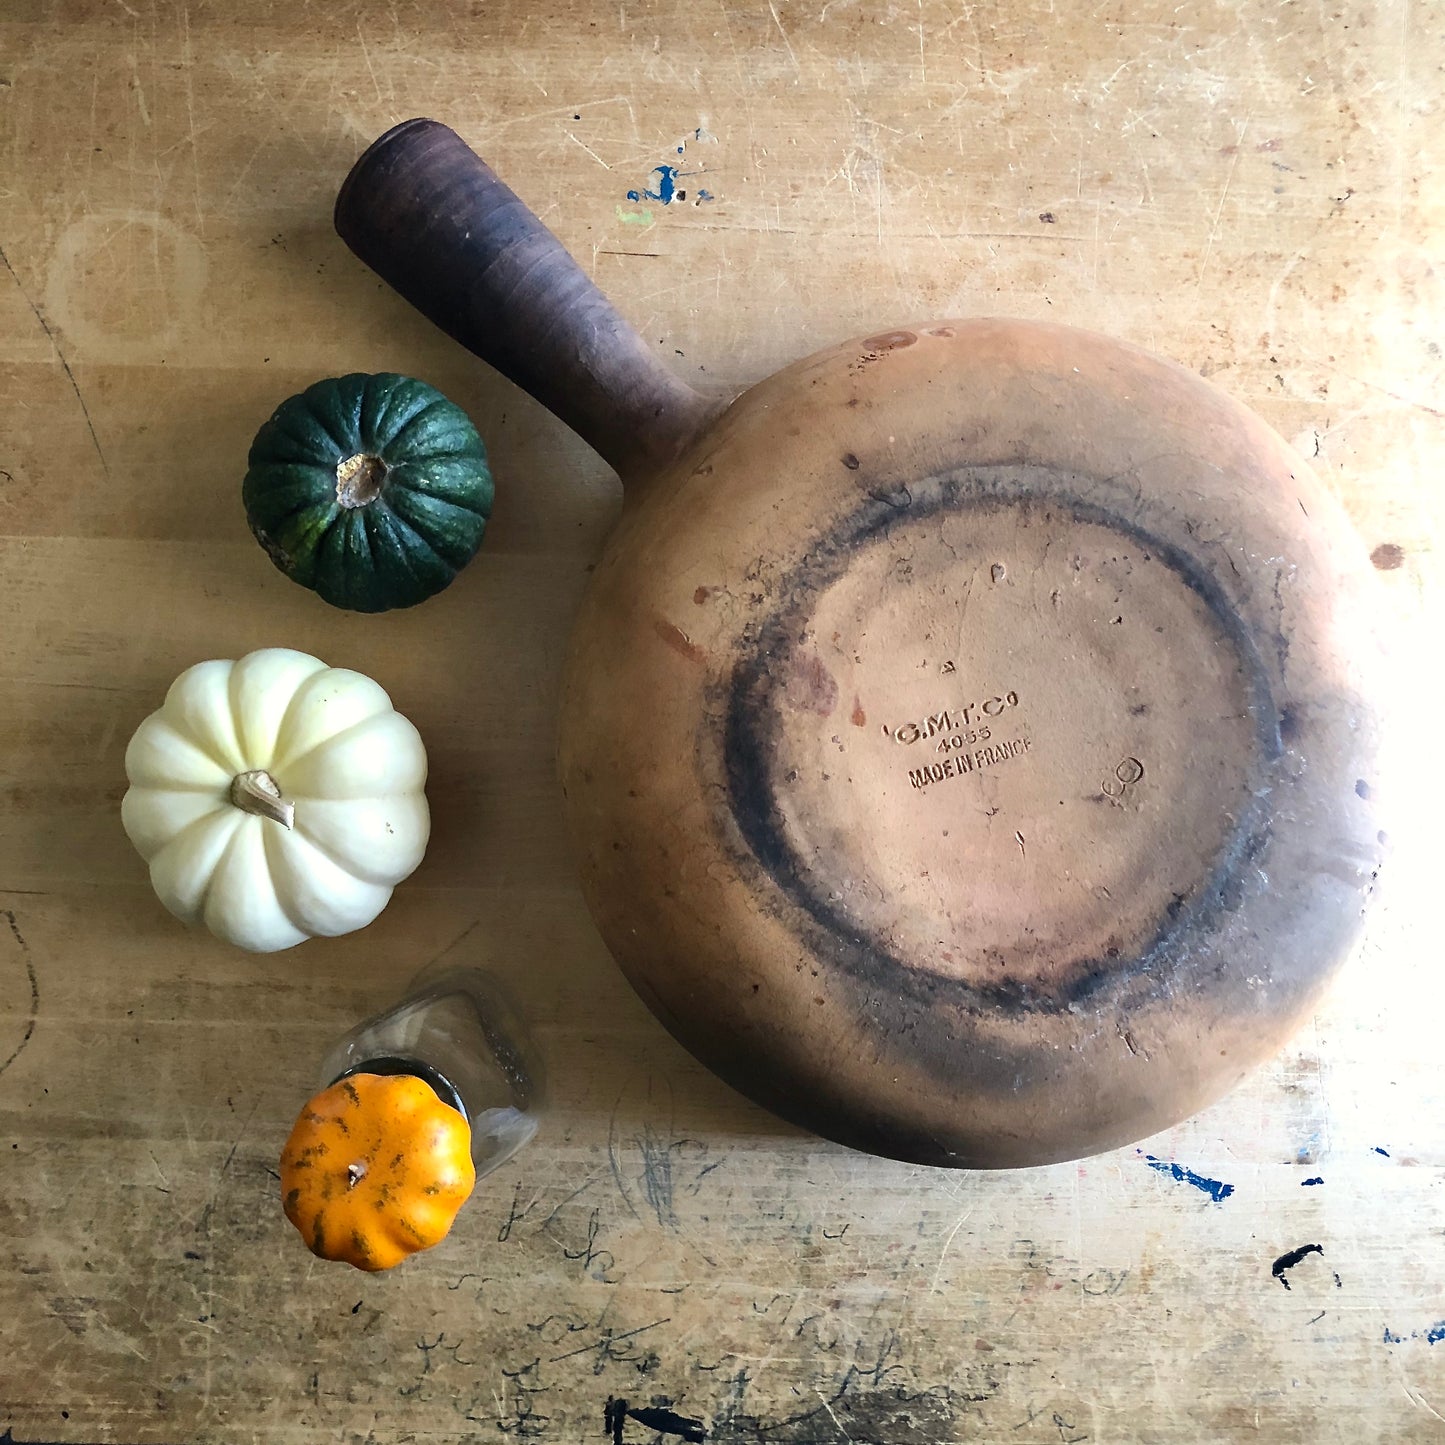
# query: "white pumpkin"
{"points": [[276, 799]]}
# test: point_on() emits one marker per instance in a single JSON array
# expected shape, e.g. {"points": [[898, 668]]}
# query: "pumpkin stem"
{"points": [[359, 479], [257, 793]]}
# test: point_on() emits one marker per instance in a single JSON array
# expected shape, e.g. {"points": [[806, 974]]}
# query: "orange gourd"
{"points": [[375, 1169]]}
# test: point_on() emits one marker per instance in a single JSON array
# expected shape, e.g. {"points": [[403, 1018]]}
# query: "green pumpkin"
{"points": [[374, 491]]}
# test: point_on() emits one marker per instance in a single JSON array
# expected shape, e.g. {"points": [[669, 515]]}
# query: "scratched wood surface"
{"points": [[1252, 188]]}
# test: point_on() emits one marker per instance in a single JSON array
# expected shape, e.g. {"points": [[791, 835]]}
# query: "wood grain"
{"points": [[1253, 189]]}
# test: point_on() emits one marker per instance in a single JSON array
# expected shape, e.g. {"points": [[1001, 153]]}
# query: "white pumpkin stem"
{"points": [[257, 793]]}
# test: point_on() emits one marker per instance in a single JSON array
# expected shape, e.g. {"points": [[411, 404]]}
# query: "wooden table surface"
{"points": [[1254, 189]]}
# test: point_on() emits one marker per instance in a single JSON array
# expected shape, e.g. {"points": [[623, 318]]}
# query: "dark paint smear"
{"points": [[1387, 556], [750, 727], [658, 1418], [678, 640], [1287, 1262]]}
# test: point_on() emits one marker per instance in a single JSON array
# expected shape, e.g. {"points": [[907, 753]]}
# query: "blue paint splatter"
{"points": [[666, 187], [665, 191], [1432, 1336], [1385, 1152], [1305, 1183], [1212, 1187]]}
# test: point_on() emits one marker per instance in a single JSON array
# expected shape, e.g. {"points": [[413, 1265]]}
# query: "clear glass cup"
{"points": [[455, 1029]]}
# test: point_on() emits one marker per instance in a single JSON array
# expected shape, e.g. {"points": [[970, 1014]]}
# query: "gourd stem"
{"points": [[256, 792], [359, 480]]}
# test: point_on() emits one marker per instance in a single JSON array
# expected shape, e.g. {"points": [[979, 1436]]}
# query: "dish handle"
{"points": [[434, 221]]}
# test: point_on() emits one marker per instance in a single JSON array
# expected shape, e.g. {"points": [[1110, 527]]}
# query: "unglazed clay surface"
{"points": [[961, 743]]}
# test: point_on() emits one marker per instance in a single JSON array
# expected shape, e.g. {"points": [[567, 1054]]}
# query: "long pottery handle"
{"points": [[432, 219]]}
